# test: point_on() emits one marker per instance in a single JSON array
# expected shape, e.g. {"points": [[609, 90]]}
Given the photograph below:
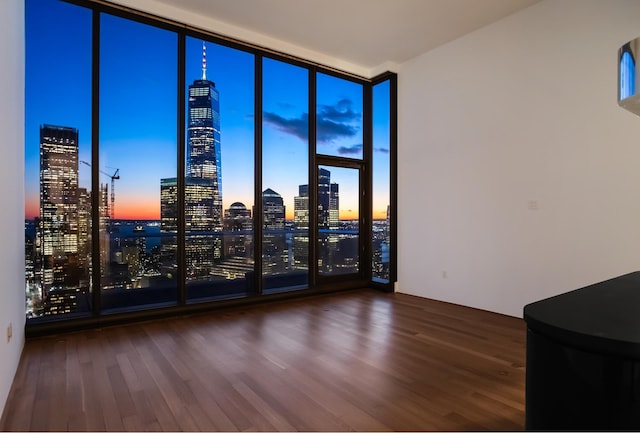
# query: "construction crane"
{"points": [[113, 177]]}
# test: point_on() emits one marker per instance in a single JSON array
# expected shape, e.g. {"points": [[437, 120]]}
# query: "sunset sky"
{"points": [[138, 103]]}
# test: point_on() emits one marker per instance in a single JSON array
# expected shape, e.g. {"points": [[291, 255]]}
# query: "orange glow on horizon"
{"points": [[148, 209], [129, 210], [31, 209], [380, 214], [348, 214]]}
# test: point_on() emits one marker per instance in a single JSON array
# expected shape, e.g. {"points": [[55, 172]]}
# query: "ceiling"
{"points": [[368, 33]]}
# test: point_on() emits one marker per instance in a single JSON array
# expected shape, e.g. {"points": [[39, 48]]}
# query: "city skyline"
{"points": [[138, 190]]}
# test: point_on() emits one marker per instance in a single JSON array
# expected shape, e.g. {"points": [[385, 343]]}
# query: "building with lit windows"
{"points": [[301, 208], [238, 225], [57, 243], [203, 182], [276, 248], [84, 235], [338, 250], [203, 150], [237, 218], [328, 203], [204, 243], [273, 210]]}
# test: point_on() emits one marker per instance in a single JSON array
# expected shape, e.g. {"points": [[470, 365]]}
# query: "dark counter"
{"points": [[583, 358]]}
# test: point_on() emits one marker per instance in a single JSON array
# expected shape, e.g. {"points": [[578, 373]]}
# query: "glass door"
{"points": [[338, 229]]}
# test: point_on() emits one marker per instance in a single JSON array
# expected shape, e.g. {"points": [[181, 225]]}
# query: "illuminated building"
{"points": [[328, 203], [273, 210], [203, 182], [58, 223], [203, 243], [169, 205], [238, 226], [328, 211], [237, 218], [338, 249], [84, 235], [203, 148], [301, 209], [105, 225], [275, 248]]}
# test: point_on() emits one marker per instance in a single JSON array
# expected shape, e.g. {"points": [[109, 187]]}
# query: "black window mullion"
{"points": [[393, 174], [181, 241], [258, 205], [95, 163], [366, 185], [313, 182]]}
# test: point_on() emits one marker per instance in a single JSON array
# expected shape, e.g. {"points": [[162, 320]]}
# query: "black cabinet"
{"points": [[583, 358]]}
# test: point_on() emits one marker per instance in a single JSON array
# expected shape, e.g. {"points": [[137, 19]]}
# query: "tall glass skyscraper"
{"points": [[58, 226], [203, 181], [59, 256], [203, 146], [328, 203]]}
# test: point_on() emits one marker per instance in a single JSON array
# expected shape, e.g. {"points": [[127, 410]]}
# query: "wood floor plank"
{"points": [[18, 416], [350, 361]]}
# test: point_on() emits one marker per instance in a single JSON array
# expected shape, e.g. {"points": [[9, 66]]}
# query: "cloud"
{"points": [[340, 112], [381, 150], [297, 127], [329, 130], [356, 149], [337, 121], [333, 122]]}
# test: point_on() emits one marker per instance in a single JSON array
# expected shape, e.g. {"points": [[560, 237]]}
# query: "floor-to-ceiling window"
{"points": [[219, 170], [58, 131], [285, 176], [381, 183], [339, 145], [338, 220], [168, 167], [137, 153]]}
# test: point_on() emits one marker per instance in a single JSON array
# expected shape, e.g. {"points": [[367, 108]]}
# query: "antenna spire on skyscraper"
{"points": [[204, 61]]}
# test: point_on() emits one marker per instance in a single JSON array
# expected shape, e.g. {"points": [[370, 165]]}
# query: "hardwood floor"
{"points": [[362, 360]]}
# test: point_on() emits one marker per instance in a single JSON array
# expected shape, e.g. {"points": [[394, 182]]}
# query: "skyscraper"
{"points": [[203, 181], [237, 218], [273, 210], [237, 225], [328, 203], [58, 223], [203, 146], [330, 257], [301, 208], [275, 250]]}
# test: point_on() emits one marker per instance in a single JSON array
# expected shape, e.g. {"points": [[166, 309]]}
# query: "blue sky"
{"points": [[138, 103]]}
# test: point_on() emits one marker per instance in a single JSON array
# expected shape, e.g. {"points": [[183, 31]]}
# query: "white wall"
{"points": [[520, 114], [11, 189]]}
